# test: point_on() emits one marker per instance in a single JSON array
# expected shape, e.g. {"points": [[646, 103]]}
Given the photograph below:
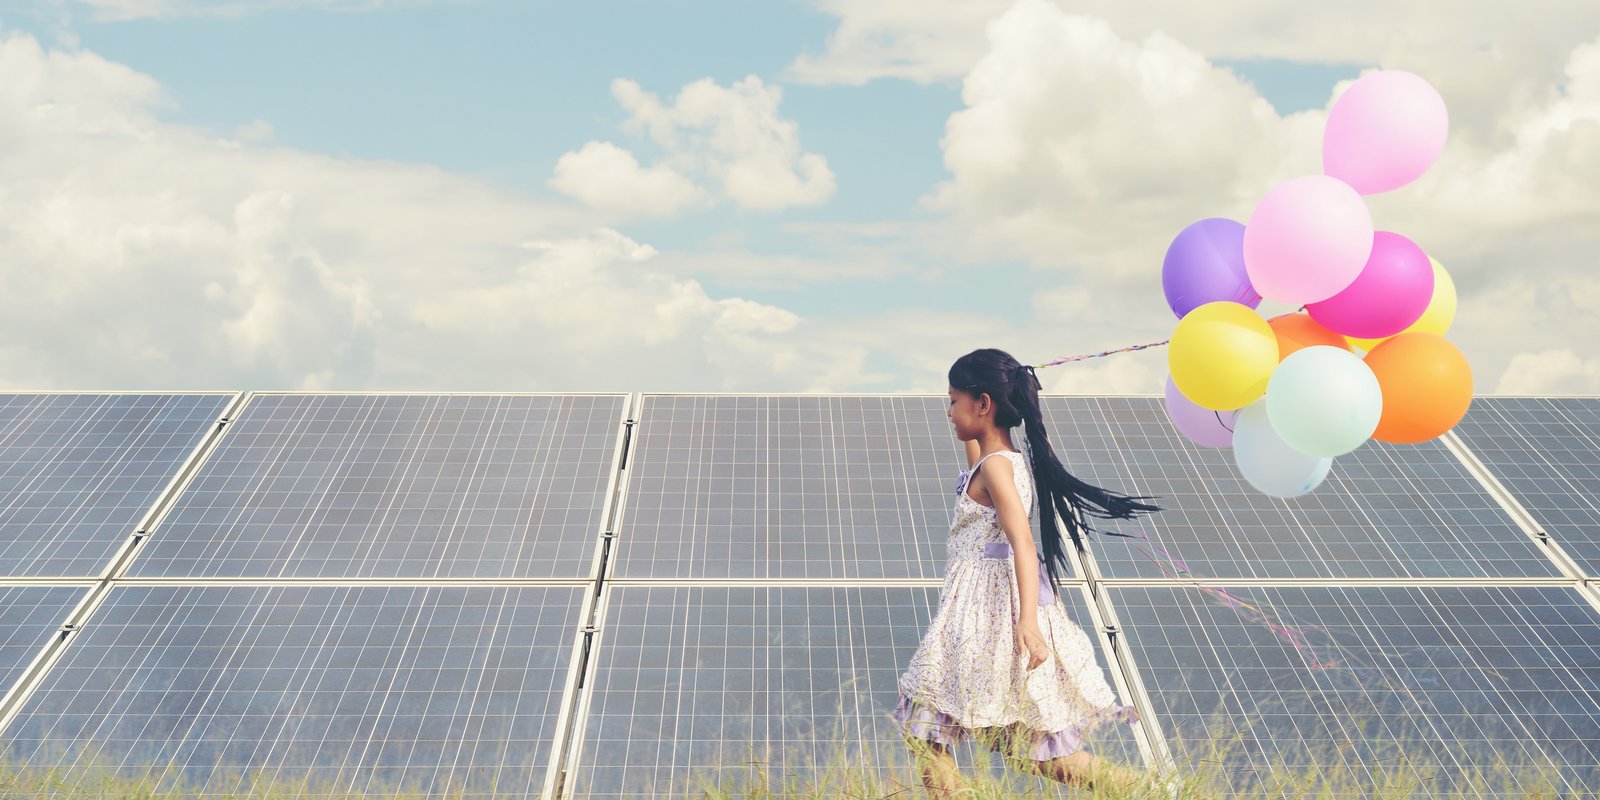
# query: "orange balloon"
{"points": [[1426, 384], [1296, 330]]}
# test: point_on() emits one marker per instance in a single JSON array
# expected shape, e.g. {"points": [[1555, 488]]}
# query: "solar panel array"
{"points": [[614, 596]]}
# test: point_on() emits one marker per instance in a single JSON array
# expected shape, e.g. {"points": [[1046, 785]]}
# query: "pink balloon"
{"points": [[1200, 425], [1384, 131], [1391, 292], [1307, 240]]}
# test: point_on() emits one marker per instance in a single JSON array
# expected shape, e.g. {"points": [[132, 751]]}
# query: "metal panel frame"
{"points": [[11, 697], [1508, 501], [163, 499]]}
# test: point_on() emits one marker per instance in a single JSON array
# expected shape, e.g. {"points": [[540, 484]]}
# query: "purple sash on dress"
{"points": [[1047, 595]]}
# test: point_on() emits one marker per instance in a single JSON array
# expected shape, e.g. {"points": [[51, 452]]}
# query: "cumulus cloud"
{"points": [[730, 137], [142, 254], [1078, 148], [609, 178], [1550, 372], [1083, 151], [1487, 58]]}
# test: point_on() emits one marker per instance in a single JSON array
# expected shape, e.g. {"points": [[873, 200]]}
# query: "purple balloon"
{"points": [[1201, 425], [1204, 264]]}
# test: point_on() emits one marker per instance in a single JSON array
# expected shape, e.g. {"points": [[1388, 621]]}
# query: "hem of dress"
{"points": [[921, 721]]}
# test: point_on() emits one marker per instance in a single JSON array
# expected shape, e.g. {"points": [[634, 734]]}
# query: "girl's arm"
{"points": [[1014, 521], [973, 451]]}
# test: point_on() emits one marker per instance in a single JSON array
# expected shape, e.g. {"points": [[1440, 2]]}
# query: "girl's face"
{"points": [[967, 413]]}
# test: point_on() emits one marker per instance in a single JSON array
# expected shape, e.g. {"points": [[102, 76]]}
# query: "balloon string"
{"points": [[1066, 359], [1341, 659]]}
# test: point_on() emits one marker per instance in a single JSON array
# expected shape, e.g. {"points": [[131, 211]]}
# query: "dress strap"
{"points": [[979, 462]]}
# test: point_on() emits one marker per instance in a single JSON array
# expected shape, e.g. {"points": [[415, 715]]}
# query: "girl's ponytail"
{"points": [[1015, 387]]}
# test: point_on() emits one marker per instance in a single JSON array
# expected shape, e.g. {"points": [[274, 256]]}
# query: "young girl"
{"points": [[1001, 660]]}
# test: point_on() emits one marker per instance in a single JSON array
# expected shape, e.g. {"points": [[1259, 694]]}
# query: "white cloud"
{"points": [[256, 131], [731, 138], [141, 254], [735, 138], [1086, 152], [1080, 149], [606, 177], [1550, 372], [1487, 58]]}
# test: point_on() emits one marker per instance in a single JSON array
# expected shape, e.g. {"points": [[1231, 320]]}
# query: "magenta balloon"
{"points": [[1205, 263], [1385, 130], [1200, 425], [1391, 292]]}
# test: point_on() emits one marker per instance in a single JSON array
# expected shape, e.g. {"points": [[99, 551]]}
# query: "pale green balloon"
{"points": [[1267, 463], [1324, 401]]}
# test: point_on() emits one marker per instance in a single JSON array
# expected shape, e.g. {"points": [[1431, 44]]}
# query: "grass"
{"points": [[858, 770]]}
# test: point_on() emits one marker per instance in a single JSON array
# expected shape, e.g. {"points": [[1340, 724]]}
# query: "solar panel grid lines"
{"points": [[174, 489], [1385, 511], [33, 622], [787, 486], [79, 472], [398, 485], [1134, 439], [368, 686], [687, 675], [1545, 451], [593, 606], [1355, 677], [1543, 541]]}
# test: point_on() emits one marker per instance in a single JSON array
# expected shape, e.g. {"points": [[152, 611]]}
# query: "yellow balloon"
{"points": [[1221, 355], [1440, 313]]}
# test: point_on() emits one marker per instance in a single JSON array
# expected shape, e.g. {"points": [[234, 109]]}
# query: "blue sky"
{"points": [[932, 241], [499, 90]]}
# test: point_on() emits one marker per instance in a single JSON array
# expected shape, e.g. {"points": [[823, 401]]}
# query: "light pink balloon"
{"points": [[1384, 131], [1307, 240]]}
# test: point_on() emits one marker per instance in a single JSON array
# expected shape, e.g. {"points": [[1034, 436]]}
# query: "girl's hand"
{"points": [[1029, 638]]}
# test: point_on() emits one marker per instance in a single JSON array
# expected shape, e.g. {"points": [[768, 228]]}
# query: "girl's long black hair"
{"points": [[1015, 391]]}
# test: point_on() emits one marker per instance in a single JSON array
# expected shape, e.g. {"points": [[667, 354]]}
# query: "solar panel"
{"points": [[690, 682], [398, 486], [79, 471], [29, 616], [810, 487], [1444, 679], [1385, 511], [1546, 452], [369, 689]]}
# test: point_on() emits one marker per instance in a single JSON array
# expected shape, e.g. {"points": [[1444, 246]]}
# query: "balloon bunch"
{"points": [[1294, 393]]}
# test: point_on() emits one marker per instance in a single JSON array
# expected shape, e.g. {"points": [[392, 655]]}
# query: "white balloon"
{"points": [[1324, 401], [1267, 462]]}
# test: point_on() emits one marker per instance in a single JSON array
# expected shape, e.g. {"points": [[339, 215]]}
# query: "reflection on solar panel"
{"points": [[29, 616], [1385, 511], [1448, 678], [1546, 452], [79, 471], [395, 687], [408, 486], [690, 677], [816, 487]]}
